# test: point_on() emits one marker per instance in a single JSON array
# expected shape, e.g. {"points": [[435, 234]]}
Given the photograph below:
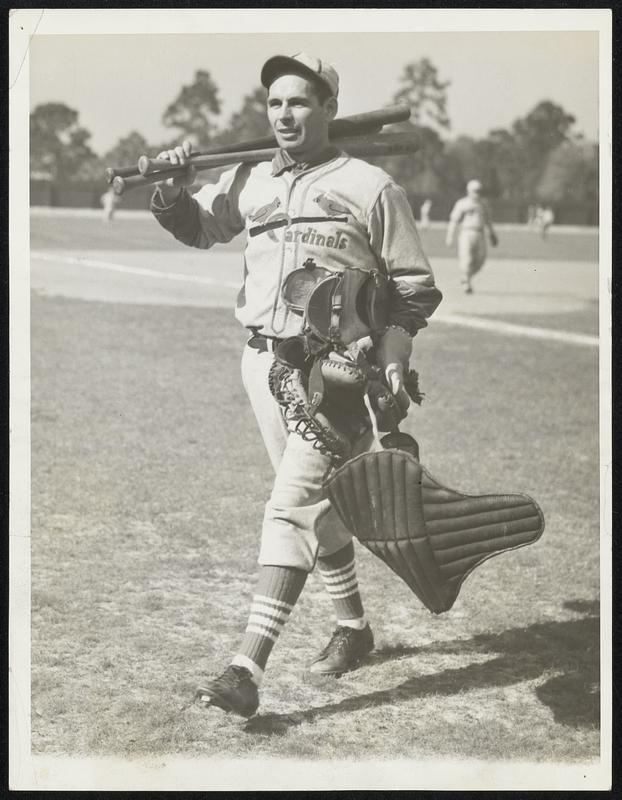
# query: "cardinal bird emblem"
{"points": [[331, 206], [262, 214], [267, 214]]}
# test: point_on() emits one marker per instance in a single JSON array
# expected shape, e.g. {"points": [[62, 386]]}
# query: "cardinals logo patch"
{"points": [[262, 214], [266, 213], [330, 206], [270, 218]]}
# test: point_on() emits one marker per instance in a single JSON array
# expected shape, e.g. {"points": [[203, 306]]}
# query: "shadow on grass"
{"points": [[568, 647]]}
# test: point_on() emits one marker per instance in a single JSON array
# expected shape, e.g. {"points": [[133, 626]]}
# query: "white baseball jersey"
{"points": [[471, 214], [341, 213]]}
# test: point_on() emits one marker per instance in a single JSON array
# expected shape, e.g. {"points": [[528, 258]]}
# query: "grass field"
{"points": [[136, 232], [148, 484]]}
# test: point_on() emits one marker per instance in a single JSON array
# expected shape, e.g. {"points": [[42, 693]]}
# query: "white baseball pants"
{"points": [[299, 522], [471, 252]]}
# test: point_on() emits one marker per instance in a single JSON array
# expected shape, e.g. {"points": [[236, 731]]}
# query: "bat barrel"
{"points": [[366, 122], [388, 144]]}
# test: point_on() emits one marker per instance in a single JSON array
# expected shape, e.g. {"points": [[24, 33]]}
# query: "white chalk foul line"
{"points": [[479, 323], [512, 329], [143, 271]]}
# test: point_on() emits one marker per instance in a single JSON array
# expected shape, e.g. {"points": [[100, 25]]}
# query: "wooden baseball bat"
{"points": [[382, 144], [356, 125], [148, 165], [122, 172]]}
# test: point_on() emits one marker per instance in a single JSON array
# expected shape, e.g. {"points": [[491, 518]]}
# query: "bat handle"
{"points": [[122, 172], [122, 185], [118, 184], [148, 165]]}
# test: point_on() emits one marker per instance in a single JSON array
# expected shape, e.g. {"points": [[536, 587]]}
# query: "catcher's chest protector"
{"points": [[431, 536]]}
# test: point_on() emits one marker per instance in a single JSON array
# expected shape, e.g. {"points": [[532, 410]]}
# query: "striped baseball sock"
{"points": [[338, 572], [278, 589]]}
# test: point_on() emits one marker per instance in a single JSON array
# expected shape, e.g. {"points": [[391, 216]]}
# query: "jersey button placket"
{"points": [[279, 313]]}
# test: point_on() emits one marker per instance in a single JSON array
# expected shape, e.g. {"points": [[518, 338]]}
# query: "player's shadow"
{"points": [[569, 648]]}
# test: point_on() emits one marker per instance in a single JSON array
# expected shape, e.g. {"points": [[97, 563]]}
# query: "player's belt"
{"points": [[263, 343]]}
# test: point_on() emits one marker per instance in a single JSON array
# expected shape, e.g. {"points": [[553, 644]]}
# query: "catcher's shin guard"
{"points": [[431, 536]]}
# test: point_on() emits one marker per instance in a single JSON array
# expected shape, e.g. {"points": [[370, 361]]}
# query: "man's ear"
{"points": [[331, 106]]}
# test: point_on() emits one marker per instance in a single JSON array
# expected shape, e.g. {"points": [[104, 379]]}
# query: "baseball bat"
{"points": [[148, 165], [383, 144], [368, 122], [356, 125], [122, 172]]}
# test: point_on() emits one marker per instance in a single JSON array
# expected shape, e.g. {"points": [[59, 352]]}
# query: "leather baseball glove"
{"points": [[323, 398]]}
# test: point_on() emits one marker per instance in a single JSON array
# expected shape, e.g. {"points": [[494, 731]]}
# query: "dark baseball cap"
{"points": [[301, 64]]}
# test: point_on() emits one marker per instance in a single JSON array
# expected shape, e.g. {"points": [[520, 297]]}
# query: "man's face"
{"points": [[298, 119]]}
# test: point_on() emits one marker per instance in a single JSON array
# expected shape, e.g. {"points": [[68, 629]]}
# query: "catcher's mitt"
{"points": [[323, 397], [289, 387]]}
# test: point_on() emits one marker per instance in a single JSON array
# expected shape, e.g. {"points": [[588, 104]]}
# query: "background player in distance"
{"points": [[472, 215], [424, 212], [109, 201], [544, 219]]}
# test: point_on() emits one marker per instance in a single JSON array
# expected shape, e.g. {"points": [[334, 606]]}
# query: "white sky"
{"points": [[120, 83]]}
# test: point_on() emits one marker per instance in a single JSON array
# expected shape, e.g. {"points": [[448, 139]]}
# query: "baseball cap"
{"points": [[474, 186], [301, 64]]}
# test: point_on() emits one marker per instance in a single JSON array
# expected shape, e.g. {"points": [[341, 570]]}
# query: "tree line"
{"points": [[539, 158]]}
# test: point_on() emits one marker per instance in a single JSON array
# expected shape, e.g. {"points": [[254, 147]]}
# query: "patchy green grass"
{"points": [[148, 485]]}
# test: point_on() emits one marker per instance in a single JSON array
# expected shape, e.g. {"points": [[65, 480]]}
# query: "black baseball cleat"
{"points": [[345, 651], [234, 690]]}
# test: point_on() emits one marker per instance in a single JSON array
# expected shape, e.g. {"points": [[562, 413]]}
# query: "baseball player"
{"points": [[311, 204], [472, 214], [109, 201], [424, 211], [544, 220]]}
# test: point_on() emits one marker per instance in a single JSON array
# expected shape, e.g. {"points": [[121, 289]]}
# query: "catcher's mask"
{"points": [[299, 284], [338, 307]]}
